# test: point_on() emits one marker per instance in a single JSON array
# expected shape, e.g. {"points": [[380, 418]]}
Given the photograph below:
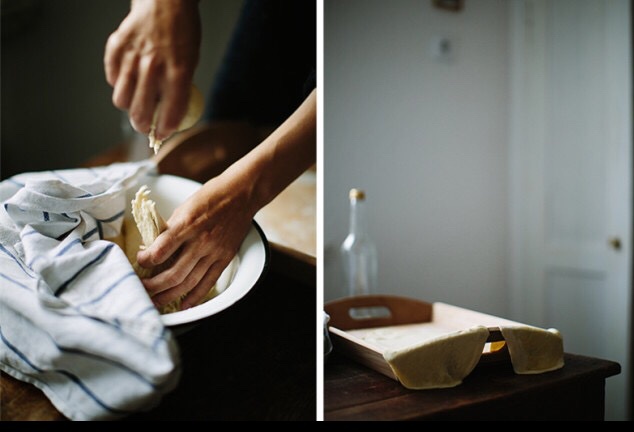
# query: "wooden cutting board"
{"points": [[404, 315]]}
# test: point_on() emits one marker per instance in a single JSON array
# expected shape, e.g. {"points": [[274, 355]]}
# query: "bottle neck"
{"points": [[358, 221]]}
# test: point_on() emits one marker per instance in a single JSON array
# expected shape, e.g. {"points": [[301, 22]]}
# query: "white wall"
{"points": [[54, 91], [426, 139]]}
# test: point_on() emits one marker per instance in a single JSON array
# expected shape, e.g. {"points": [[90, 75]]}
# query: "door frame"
{"points": [[526, 164]]}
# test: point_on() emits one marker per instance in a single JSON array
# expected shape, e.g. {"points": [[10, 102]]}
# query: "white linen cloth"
{"points": [[75, 319]]}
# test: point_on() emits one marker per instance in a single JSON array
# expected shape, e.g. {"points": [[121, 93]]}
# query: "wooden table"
{"points": [[491, 392]]}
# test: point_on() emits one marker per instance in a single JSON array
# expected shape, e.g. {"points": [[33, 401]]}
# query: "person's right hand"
{"points": [[151, 57]]}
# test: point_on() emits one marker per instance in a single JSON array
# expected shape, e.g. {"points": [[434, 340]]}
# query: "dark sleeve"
{"points": [[270, 64]]}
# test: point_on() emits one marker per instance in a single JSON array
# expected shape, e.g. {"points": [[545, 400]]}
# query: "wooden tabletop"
{"points": [[491, 392], [290, 219]]}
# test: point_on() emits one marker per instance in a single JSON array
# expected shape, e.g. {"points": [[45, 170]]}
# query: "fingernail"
{"points": [[160, 135], [132, 123], [139, 257]]}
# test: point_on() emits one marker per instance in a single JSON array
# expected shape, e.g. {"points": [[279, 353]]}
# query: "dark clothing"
{"points": [[269, 67]]}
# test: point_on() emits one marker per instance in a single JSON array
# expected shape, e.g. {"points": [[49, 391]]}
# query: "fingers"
{"points": [[136, 89], [186, 271], [153, 53], [195, 285], [145, 97], [121, 65], [137, 78], [174, 99], [125, 84], [165, 245], [203, 287], [112, 58]]}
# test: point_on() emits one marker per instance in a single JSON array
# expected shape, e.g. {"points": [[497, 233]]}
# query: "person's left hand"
{"points": [[204, 234], [152, 57]]}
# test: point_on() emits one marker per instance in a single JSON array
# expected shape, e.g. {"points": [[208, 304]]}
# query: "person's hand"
{"points": [[151, 57], [203, 235], [206, 231]]}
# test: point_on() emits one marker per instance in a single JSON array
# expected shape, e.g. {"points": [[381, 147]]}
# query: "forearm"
{"points": [[280, 158]]}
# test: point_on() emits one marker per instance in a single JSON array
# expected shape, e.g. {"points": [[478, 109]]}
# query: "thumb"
{"points": [[159, 251]]}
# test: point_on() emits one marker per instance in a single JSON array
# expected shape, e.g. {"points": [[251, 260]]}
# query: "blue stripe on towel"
{"points": [[92, 318], [107, 290], [63, 286], [113, 217], [89, 234], [69, 217], [146, 310], [6, 207], [106, 360], [20, 284], [3, 249], [34, 260], [67, 374], [18, 352], [68, 246], [62, 236], [30, 233], [159, 339]]}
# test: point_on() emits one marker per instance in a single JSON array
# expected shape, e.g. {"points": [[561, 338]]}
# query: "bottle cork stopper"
{"points": [[357, 194]]}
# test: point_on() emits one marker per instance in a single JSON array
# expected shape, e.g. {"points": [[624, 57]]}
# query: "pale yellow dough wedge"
{"points": [[534, 350], [192, 115], [149, 225], [440, 362]]}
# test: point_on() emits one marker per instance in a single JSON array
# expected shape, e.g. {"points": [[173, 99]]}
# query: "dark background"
{"points": [[56, 109]]}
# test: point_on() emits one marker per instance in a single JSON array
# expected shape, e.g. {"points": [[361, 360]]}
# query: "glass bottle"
{"points": [[358, 251]]}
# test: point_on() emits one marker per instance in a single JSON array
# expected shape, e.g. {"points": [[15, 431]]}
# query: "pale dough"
{"points": [[534, 350], [441, 353], [149, 224], [399, 337], [194, 110], [443, 361], [144, 229]]}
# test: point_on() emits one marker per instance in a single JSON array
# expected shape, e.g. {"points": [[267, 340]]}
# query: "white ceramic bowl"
{"points": [[168, 192]]}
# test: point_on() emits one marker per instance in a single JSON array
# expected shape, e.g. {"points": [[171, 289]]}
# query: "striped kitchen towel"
{"points": [[75, 320]]}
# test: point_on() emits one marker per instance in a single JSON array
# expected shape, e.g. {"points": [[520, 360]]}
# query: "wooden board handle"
{"points": [[401, 310]]}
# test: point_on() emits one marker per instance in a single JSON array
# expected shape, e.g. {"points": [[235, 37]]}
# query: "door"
{"points": [[571, 178]]}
